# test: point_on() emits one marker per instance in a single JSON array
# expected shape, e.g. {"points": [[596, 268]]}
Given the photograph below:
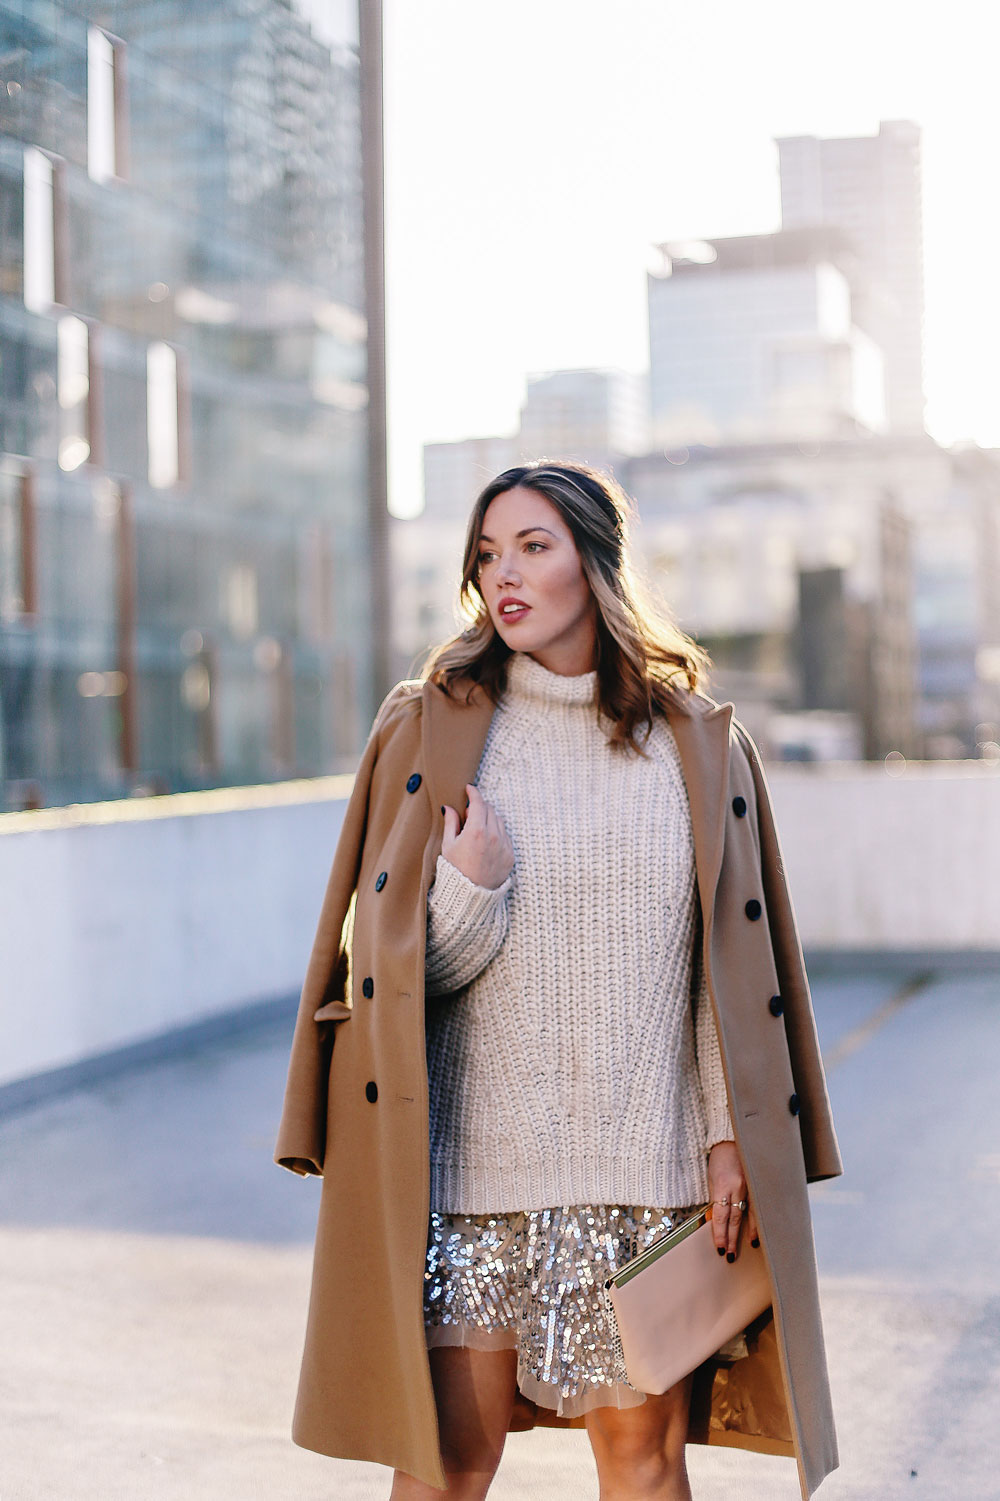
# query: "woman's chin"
{"points": [[514, 637]]}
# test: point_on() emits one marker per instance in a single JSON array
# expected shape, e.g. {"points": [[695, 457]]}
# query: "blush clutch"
{"points": [[679, 1301]]}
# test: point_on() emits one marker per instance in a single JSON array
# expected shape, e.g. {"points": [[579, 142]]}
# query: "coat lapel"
{"points": [[454, 733], [703, 745]]}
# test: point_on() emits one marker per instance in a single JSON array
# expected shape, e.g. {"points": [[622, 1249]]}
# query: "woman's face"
{"points": [[533, 583]]}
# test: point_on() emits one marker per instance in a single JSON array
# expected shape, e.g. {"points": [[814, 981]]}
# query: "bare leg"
{"points": [[640, 1450], [474, 1391]]}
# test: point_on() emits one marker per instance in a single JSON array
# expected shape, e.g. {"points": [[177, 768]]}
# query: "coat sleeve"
{"points": [[819, 1139], [301, 1141]]}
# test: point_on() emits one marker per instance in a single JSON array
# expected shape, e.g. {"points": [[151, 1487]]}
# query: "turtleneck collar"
{"points": [[527, 678]]}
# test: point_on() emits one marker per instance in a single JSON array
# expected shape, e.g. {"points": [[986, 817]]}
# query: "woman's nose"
{"points": [[507, 572]]}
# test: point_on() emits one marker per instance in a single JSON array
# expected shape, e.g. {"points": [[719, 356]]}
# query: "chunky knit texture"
{"points": [[572, 1052]]}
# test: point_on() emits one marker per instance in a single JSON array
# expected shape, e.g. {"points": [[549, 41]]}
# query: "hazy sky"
{"points": [[536, 149]]}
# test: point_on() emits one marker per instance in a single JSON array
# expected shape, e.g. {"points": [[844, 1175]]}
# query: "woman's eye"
{"points": [[539, 545], [484, 557]]}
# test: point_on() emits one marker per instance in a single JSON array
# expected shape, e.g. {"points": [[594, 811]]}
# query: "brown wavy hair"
{"points": [[644, 660]]}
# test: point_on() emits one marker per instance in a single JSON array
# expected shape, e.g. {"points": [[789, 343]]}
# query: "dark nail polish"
{"points": [[755, 1243], [730, 1255], [721, 1250], [442, 807]]}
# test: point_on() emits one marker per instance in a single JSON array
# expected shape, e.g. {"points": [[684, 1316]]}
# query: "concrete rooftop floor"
{"points": [[155, 1267]]}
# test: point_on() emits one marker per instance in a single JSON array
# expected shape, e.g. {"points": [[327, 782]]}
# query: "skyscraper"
{"points": [[753, 338], [869, 187]]}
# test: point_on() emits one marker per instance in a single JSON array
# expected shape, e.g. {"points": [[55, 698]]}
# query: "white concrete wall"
{"points": [[119, 921], [910, 861]]}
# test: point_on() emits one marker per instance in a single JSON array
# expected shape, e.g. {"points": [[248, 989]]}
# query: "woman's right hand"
{"points": [[480, 848]]}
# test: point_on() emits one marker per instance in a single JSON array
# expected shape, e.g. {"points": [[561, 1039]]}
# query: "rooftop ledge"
{"points": [[179, 804], [333, 788]]}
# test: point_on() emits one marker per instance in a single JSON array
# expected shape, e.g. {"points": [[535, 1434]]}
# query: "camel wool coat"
{"points": [[356, 1100]]}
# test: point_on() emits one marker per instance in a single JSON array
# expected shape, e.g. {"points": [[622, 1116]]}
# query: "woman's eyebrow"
{"points": [[527, 530]]}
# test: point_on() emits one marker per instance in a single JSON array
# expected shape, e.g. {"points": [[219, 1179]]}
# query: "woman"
{"points": [[547, 841]]}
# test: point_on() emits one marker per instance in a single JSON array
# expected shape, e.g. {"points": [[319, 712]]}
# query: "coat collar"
{"points": [[454, 733]]}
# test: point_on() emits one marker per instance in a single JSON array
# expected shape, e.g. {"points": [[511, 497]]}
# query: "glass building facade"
{"points": [[185, 529]]}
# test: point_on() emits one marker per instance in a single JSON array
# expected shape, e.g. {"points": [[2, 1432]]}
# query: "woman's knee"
{"points": [[647, 1439], [630, 1448], [470, 1453]]}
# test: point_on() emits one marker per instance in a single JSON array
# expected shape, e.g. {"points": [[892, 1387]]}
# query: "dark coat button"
{"points": [[793, 1104], [412, 783], [739, 806], [777, 1005], [371, 1091], [367, 987], [753, 909], [381, 879]]}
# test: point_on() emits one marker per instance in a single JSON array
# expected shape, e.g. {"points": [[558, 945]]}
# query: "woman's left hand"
{"points": [[726, 1180]]}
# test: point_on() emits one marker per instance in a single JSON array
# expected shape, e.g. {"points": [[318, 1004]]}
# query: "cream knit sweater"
{"points": [[572, 1054]]}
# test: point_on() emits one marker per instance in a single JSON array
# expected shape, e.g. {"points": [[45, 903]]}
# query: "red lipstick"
{"points": [[511, 609]]}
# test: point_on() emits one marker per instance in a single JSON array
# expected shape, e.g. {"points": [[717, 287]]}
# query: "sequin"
{"points": [[533, 1282]]}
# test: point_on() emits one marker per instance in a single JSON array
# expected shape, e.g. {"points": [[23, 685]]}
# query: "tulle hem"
{"points": [[545, 1393]]}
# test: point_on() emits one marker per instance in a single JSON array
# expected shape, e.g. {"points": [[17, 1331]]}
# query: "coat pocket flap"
{"points": [[333, 1011]]}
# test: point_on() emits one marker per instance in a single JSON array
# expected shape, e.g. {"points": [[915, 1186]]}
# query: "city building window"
{"points": [[239, 600], [105, 106], [17, 543], [73, 388], [162, 416], [39, 274]]}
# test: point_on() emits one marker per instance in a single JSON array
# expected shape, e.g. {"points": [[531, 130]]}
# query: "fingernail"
{"points": [[755, 1242], [730, 1255], [442, 807], [721, 1250]]}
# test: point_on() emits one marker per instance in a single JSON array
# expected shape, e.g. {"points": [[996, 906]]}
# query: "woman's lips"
{"points": [[512, 616]]}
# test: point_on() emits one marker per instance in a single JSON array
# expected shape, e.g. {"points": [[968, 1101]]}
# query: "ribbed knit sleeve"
{"points": [[719, 1126], [466, 925]]}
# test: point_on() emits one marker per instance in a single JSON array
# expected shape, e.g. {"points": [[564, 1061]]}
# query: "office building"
{"points": [[857, 577], [753, 338], [869, 187], [192, 394]]}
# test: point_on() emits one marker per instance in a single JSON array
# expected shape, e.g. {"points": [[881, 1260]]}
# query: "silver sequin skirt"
{"points": [[533, 1281]]}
